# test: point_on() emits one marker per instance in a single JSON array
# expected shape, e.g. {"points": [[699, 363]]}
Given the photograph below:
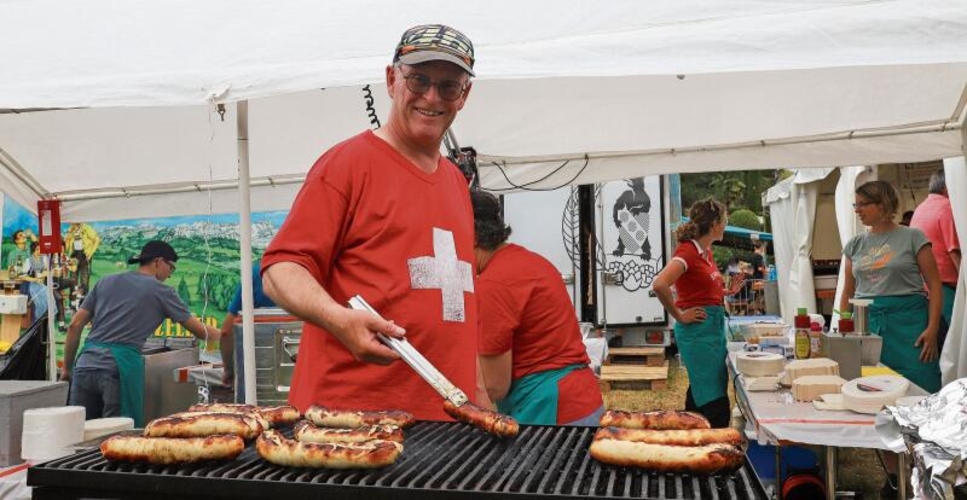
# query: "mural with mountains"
{"points": [[208, 253], [207, 245]]}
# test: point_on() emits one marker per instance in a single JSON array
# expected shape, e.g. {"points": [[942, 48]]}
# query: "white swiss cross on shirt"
{"points": [[444, 272]]}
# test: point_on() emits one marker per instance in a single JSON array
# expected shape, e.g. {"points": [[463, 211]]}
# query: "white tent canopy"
{"points": [[112, 108], [635, 87]]}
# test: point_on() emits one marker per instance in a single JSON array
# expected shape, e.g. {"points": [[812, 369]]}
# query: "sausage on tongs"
{"points": [[486, 420]]}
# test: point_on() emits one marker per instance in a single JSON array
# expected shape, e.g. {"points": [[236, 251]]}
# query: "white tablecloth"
{"points": [[776, 417]]}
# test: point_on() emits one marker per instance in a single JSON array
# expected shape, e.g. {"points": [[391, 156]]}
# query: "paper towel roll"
{"points": [[48, 433]]}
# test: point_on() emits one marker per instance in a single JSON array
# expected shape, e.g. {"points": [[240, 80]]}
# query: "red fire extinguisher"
{"points": [[48, 215]]}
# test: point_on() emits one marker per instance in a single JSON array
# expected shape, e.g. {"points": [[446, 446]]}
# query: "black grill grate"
{"points": [[440, 460]]}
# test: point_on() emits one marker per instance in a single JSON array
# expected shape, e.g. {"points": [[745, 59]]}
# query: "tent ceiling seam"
{"points": [[922, 128], [13, 166], [133, 191]]}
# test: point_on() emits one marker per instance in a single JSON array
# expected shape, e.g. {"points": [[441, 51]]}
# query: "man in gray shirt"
{"points": [[124, 309]]}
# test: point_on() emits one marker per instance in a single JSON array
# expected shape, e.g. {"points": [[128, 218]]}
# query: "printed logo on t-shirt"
{"points": [[875, 259], [445, 272]]}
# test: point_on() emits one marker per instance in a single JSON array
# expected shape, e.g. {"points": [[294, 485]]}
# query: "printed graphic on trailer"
{"points": [[631, 232]]}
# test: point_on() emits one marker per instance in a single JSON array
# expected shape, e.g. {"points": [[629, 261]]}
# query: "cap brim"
{"points": [[422, 56]]}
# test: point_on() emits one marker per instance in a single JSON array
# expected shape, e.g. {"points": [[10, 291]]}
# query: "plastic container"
{"points": [[846, 326], [803, 343], [816, 341]]}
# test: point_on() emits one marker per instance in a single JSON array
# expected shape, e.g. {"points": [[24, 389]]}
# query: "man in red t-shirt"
{"points": [[935, 218], [384, 216]]}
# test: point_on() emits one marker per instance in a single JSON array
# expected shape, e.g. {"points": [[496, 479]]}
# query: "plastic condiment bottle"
{"points": [[846, 326], [801, 322], [816, 341]]}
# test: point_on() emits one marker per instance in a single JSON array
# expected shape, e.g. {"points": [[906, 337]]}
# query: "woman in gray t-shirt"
{"points": [[889, 264]]}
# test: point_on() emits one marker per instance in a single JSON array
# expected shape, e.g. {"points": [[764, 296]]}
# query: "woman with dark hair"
{"points": [[698, 309], [533, 361], [889, 264]]}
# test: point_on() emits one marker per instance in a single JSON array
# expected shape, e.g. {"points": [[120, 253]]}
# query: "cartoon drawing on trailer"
{"points": [[631, 231]]}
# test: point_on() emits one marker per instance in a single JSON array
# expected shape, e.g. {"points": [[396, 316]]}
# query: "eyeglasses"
{"points": [[863, 204], [448, 90], [171, 265]]}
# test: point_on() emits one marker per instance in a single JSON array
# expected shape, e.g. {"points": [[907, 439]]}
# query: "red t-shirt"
{"points": [[936, 219], [369, 222], [524, 308], [702, 283]]}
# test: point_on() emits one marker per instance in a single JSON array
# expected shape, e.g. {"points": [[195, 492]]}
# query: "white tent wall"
{"points": [[848, 224], [792, 208], [953, 359]]}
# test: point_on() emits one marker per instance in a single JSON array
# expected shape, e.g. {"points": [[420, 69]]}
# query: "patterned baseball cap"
{"points": [[435, 42]]}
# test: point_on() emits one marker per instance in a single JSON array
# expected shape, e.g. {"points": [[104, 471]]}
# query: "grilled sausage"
{"points": [[486, 420], [306, 432], [655, 420], [193, 424], [325, 417], [277, 449], [707, 459], [274, 416], [224, 408], [280, 415], [255, 420], [162, 451], [689, 437]]}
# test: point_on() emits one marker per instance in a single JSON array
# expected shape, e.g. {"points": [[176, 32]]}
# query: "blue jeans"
{"points": [[98, 391]]}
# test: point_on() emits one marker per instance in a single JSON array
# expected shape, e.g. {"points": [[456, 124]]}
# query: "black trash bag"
{"points": [[27, 357]]}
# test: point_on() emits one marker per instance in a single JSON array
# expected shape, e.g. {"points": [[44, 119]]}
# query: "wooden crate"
{"points": [[650, 356], [633, 377]]}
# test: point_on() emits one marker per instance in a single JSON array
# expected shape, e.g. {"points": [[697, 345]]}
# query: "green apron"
{"points": [[532, 399], [900, 319], [702, 346], [130, 375]]}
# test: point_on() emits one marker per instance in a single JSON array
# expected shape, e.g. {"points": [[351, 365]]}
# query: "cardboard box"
{"points": [[16, 396]]}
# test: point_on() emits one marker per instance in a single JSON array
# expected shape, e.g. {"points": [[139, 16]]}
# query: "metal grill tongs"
{"points": [[417, 362]]}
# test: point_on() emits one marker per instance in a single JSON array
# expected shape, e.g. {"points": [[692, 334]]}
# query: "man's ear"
{"points": [[390, 80]]}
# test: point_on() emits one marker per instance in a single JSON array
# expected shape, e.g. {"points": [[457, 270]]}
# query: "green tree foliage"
{"points": [[183, 291], [746, 219], [739, 189]]}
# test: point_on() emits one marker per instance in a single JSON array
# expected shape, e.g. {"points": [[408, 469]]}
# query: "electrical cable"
{"points": [[370, 109], [587, 160]]}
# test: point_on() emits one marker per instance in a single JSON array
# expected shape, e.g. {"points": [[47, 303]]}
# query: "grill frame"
{"points": [[440, 460]]}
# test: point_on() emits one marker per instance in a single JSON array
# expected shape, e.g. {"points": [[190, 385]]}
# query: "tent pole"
{"points": [[245, 241], [51, 325]]}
